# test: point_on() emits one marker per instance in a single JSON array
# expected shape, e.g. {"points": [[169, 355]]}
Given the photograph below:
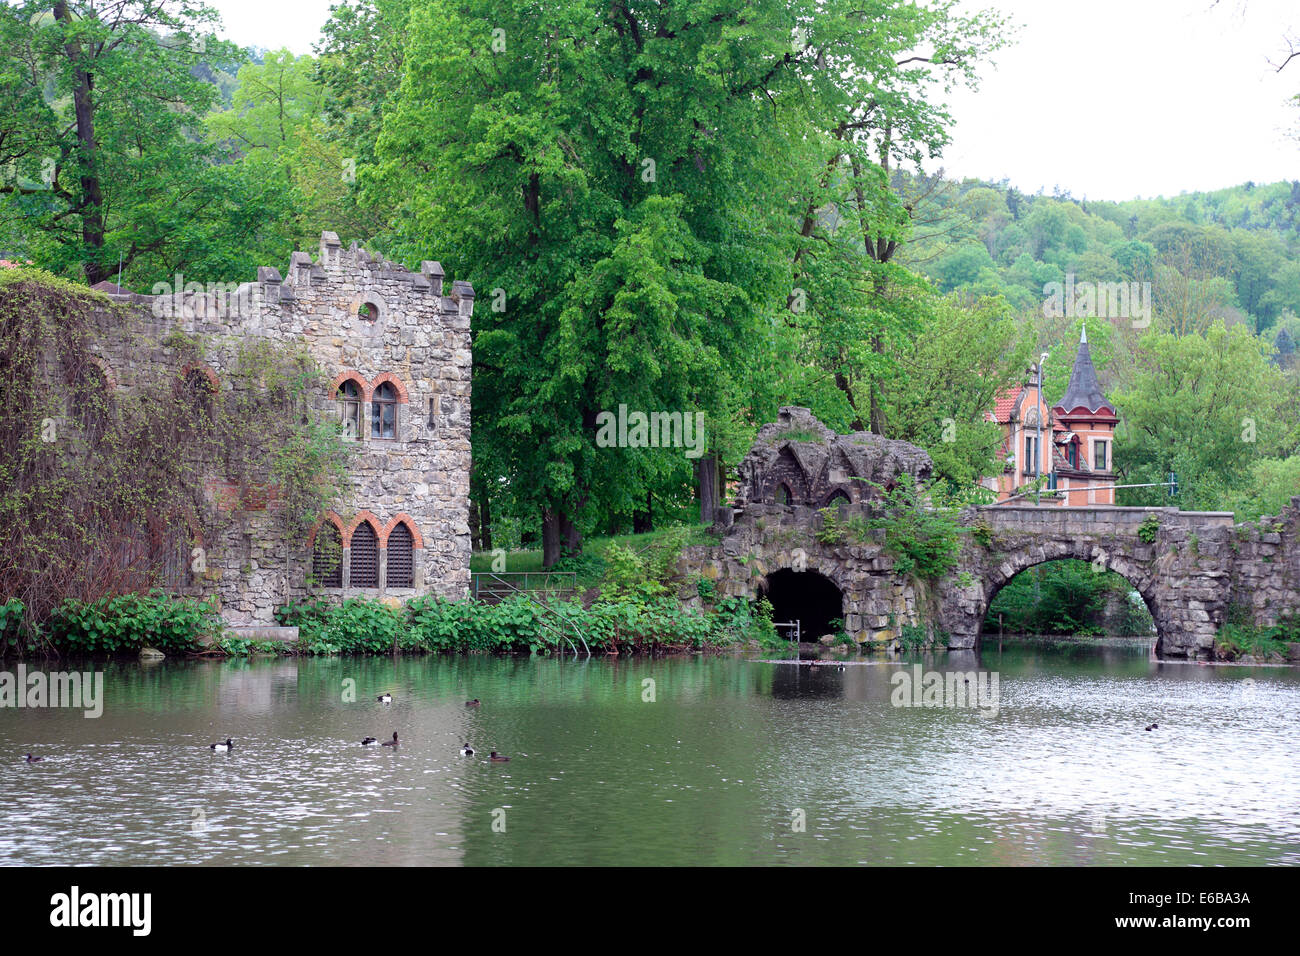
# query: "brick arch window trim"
{"points": [[360, 518], [331, 518], [403, 395], [214, 383], [355, 376], [417, 540]]}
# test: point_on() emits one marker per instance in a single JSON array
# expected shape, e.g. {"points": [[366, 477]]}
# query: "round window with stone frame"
{"points": [[368, 311]]}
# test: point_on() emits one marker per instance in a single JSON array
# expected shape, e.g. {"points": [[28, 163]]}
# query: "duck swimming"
{"points": [[467, 751], [472, 703], [498, 758], [391, 743], [368, 741], [221, 748], [385, 698], [31, 759]]}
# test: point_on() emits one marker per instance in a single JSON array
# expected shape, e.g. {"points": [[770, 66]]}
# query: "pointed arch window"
{"points": [[782, 493], [364, 569], [401, 558]]}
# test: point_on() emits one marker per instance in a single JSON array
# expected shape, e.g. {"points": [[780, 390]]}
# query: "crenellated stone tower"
{"points": [[396, 345]]}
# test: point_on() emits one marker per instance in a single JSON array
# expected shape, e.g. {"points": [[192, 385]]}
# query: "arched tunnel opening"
{"points": [[810, 598]]}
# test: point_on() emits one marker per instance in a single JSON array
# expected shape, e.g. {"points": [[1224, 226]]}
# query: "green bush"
{"points": [[11, 622], [130, 621], [922, 539]]}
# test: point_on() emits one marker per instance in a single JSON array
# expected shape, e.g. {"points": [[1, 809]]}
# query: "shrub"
{"points": [[922, 540], [131, 621], [1149, 529]]}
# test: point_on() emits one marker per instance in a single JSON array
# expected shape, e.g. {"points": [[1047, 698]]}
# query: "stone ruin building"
{"points": [[396, 345]]}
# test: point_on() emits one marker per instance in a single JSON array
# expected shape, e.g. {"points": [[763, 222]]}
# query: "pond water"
{"points": [[721, 767]]}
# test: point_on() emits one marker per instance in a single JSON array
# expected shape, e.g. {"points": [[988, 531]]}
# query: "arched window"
{"points": [[782, 494], [383, 412], [839, 501], [349, 399], [327, 557], [365, 557], [401, 558]]}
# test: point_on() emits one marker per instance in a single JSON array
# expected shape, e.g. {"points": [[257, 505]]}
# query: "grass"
{"points": [[519, 561]]}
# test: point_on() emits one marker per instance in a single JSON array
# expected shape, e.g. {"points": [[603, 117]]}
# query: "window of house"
{"points": [[1072, 454], [1099, 455], [1031, 455], [383, 412], [327, 557], [364, 570], [401, 558], [349, 399]]}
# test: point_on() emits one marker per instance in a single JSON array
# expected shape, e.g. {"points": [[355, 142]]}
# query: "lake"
{"points": [[671, 761]]}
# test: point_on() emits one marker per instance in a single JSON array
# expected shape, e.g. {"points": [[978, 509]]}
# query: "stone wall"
{"points": [[1266, 566], [362, 319]]}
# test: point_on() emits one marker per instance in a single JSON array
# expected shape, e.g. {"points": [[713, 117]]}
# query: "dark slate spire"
{"points": [[1084, 390]]}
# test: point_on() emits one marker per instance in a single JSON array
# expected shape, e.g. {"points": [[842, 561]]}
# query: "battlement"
{"points": [[356, 283]]}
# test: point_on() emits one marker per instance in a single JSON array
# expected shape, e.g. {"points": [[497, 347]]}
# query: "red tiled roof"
{"points": [[1004, 403]]}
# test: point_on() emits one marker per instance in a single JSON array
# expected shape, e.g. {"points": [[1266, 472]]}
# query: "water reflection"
{"points": [[656, 762]]}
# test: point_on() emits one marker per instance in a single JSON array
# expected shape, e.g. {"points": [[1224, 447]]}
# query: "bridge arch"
{"points": [[1078, 550]]}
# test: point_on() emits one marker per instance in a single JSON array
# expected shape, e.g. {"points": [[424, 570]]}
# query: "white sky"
{"points": [[1108, 99]]}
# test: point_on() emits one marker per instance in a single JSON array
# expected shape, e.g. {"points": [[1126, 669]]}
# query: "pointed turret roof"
{"points": [[1084, 390]]}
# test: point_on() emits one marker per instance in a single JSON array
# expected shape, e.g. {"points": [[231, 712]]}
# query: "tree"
{"points": [[1204, 406], [593, 168], [98, 103]]}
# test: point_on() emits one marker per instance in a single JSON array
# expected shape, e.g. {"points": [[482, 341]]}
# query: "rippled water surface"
{"points": [[718, 769]]}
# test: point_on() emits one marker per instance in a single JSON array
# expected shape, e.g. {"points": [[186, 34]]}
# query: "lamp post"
{"points": [[1038, 442]]}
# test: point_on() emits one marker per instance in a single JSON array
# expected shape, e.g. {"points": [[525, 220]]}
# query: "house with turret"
{"points": [[1071, 443]]}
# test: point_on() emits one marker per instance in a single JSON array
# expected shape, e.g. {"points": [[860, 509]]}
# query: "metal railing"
{"points": [[491, 586], [795, 628]]}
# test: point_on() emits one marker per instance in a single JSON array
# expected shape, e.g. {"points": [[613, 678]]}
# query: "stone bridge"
{"points": [[776, 542], [1181, 562], [1187, 566]]}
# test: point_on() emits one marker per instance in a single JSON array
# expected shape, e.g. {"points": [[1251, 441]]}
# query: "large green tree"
{"points": [[630, 186], [100, 111]]}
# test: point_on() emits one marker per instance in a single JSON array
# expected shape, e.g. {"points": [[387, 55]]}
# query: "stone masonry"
{"points": [[365, 321]]}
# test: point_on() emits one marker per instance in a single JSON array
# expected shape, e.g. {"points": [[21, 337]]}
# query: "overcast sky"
{"points": [[1108, 99]]}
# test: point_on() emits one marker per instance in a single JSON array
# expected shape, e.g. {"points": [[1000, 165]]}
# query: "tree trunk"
{"points": [[475, 540], [570, 535], [643, 521], [91, 204], [485, 524], [706, 470], [550, 537]]}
